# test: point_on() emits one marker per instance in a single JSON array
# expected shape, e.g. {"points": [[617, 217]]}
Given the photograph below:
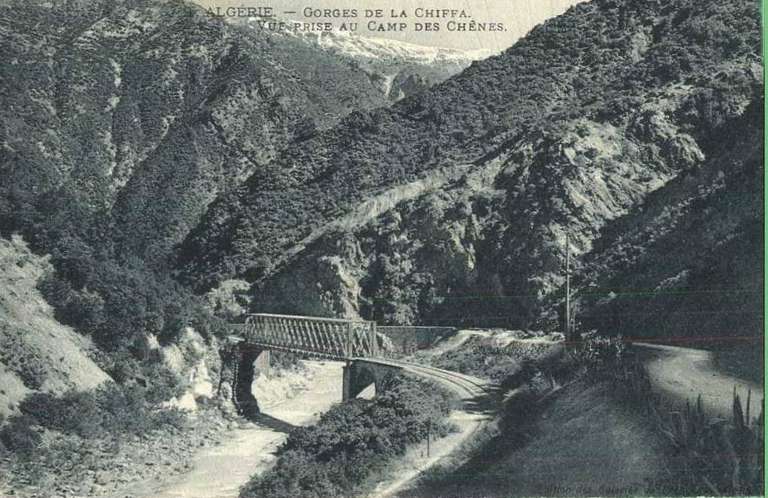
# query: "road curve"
{"points": [[684, 373]]}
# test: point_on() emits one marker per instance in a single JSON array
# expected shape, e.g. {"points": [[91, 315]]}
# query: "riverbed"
{"points": [[220, 471]]}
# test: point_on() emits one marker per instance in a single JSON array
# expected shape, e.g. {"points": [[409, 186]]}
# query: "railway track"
{"points": [[464, 385]]}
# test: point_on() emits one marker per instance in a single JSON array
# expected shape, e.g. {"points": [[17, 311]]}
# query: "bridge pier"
{"points": [[359, 374], [247, 360]]}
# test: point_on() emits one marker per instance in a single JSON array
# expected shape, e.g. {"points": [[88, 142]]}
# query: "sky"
{"points": [[517, 16]]}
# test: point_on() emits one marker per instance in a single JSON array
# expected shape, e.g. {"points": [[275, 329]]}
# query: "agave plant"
{"points": [[746, 445], [711, 455]]}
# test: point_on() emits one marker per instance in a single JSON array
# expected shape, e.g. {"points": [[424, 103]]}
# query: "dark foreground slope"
{"points": [[454, 205]]}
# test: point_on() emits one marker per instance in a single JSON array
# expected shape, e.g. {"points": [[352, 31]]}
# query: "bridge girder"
{"points": [[328, 338], [351, 341]]}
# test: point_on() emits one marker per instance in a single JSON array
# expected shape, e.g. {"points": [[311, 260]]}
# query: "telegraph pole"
{"points": [[429, 434], [567, 287]]}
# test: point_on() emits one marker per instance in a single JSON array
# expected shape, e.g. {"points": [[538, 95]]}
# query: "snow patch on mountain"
{"points": [[398, 69], [364, 47]]}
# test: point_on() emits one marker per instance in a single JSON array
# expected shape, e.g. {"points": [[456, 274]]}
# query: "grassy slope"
{"points": [[582, 443], [587, 444]]}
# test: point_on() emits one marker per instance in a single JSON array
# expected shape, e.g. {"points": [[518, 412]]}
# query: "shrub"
{"points": [[599, 357], [127, 410], [28, 366], [120, 365], [162, 384], [31, 372], [111, 409], [352, 440], [19, 436], [74, 412]]}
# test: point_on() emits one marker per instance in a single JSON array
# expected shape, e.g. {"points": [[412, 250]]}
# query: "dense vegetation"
{"points": [[109, 410], [353, 440], [531, 85], [176, 154], [118, 304], [123, 125]]}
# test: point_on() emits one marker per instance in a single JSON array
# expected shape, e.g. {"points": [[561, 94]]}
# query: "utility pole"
{"points": [[429, 434], [567, 287]]}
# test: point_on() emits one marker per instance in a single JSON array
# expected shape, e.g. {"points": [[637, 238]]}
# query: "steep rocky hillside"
{"points": [[455, 203], [142, 136], [37, 353], [689, 262], [121, 122], [143, 111]]}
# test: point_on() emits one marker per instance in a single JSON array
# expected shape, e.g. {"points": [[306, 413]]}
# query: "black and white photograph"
{"points": [[381, 248]]}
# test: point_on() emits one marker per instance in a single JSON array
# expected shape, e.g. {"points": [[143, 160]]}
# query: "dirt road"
{"points": [[684, 373], [219, 472], [417, 460]]}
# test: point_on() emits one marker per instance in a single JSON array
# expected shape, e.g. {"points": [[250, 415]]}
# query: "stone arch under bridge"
{"points": [[359, 374], [246, 360]]}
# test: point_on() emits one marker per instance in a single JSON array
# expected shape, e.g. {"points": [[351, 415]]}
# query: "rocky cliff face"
{"points": [[688, 262], [581, 127]]}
